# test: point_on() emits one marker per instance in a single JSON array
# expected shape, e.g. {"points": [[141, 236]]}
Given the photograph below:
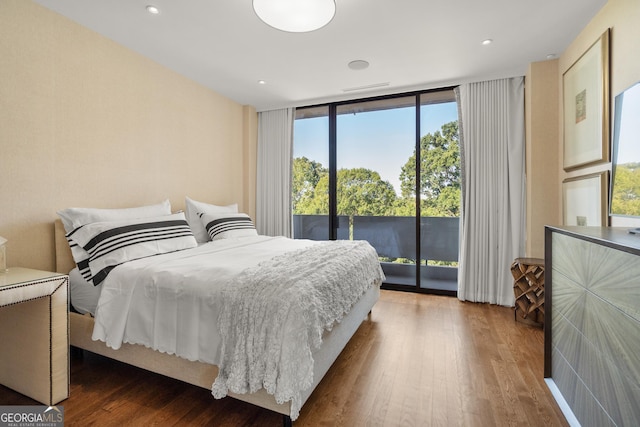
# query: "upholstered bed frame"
{"points": [[198, 373]]}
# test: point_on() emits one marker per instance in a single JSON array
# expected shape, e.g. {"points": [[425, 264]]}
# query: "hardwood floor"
{"points": [[419, 360]]}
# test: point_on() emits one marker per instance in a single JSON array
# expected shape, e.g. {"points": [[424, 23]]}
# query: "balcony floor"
{"points": [[435, 284]]}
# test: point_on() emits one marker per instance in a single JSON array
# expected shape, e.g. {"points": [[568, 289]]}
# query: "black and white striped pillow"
{"points": [[112, 243], [73, 218], [228, 225], [81, 257]]}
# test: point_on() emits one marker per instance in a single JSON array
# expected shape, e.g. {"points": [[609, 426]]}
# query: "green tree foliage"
{"points": [[363, 192], [440, 173], [626, 193], [306, 175], [360, 192]]}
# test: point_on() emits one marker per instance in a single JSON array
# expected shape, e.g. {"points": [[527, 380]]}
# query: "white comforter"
{"points": [[179, 303], [169, 302]]}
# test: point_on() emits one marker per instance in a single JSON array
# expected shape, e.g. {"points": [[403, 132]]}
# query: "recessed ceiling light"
{"points": [[262, 82], [551, 56], [358, 64], [487, 41], [153, 9]]}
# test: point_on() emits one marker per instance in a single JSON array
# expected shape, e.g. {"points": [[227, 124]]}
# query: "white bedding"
{"points": [[84, 296], [173, 302], [164, 301], [274, 316]]}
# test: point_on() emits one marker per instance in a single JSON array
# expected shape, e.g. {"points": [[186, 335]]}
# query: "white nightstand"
{"points": [[34, 333]]}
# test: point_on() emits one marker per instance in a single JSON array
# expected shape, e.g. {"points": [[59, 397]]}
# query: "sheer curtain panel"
{"points": [[273, 189], [492, 149]]}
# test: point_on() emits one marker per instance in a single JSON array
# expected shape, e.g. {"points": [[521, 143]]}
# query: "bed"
{"points": [[204, 374]]}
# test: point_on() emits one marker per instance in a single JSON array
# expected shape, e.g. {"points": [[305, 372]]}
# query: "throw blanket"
{"points": [[274, 315]]}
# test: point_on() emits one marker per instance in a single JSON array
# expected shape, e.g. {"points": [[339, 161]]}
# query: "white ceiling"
{"points": [[410, 44]]}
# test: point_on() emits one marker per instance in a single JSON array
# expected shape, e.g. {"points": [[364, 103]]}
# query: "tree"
{"points": [[626, 193], [360, 192], [306, 175], [439, 174], [363, 192]]}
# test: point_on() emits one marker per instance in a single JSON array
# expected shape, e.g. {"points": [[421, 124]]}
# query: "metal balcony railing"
{"points": [[394, 238]]}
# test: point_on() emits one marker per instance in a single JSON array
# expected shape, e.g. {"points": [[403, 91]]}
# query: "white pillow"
{"points": [[73, 218], [112, 243], [194, 208], [227, 226]]}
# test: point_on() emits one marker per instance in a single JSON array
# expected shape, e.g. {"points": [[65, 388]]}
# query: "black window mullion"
{"points": [[333, 175], [418, 207]]}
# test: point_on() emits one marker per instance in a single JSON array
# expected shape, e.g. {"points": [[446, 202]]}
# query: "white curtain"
{"points": [[492, 218], [273, 189]]}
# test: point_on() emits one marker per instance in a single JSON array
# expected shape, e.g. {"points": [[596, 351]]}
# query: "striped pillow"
{"points": [[228, 225], [73, 218], [81, 257], [112, 243]]}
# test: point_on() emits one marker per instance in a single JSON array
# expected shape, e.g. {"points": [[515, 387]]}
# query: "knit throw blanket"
{"points": [[274, 315]]}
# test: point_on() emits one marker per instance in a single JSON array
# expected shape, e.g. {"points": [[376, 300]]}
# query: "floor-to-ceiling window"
{"points": [[310, 174], [384, 170]]}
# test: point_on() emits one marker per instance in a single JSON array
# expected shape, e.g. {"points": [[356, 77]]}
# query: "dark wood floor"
{"points": [[420, 360]]}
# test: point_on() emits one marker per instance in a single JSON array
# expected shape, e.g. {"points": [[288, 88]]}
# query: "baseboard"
{"points": [[562, 403]]}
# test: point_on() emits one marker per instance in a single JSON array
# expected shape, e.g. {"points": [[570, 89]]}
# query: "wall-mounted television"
{"points": [[624, 198]]}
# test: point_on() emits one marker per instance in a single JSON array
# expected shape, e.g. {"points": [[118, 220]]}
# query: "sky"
{"points": [[629, 140], [380, 140]]}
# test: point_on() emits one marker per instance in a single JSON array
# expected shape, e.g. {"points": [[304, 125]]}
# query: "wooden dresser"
{"points": [[592, 323]]}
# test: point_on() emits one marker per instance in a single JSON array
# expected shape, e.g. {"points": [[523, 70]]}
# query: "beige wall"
{"points": [[544, 114], [87, 122], [623, 17], [541, 162]]}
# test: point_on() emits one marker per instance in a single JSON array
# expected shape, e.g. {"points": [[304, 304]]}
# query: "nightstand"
{"points": [[34, 332]]}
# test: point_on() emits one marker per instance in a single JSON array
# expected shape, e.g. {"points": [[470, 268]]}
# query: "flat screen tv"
{"points": [[625, 179]]}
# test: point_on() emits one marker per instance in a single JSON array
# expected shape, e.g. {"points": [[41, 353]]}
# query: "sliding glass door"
{"points": [[375, 140], [310, 174], [439, 190], [385, 170]]}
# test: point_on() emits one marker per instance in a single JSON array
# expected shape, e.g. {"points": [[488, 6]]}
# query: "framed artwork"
{"points": [[585, 200], [585, 103]]}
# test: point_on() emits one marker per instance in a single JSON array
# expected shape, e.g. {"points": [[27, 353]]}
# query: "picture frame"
{"points": [[585, 200], [585, 101]]}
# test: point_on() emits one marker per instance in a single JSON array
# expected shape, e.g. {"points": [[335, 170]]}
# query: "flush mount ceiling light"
{"points": [[295, 16], [153, 9]]}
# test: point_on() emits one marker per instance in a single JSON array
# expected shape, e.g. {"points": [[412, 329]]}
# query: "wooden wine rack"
{"points": [[528, 288]]}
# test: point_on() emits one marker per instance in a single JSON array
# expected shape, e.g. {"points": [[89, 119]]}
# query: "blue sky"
{"points": [[629, 141], [381, 140]]}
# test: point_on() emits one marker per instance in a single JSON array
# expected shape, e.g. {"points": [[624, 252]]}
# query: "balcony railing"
{"points": [[394, 239]]}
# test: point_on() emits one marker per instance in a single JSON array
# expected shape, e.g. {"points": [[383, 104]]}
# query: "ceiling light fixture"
{"points": [[153, 9], [358, 64], [295, 16], [487, 41]]}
